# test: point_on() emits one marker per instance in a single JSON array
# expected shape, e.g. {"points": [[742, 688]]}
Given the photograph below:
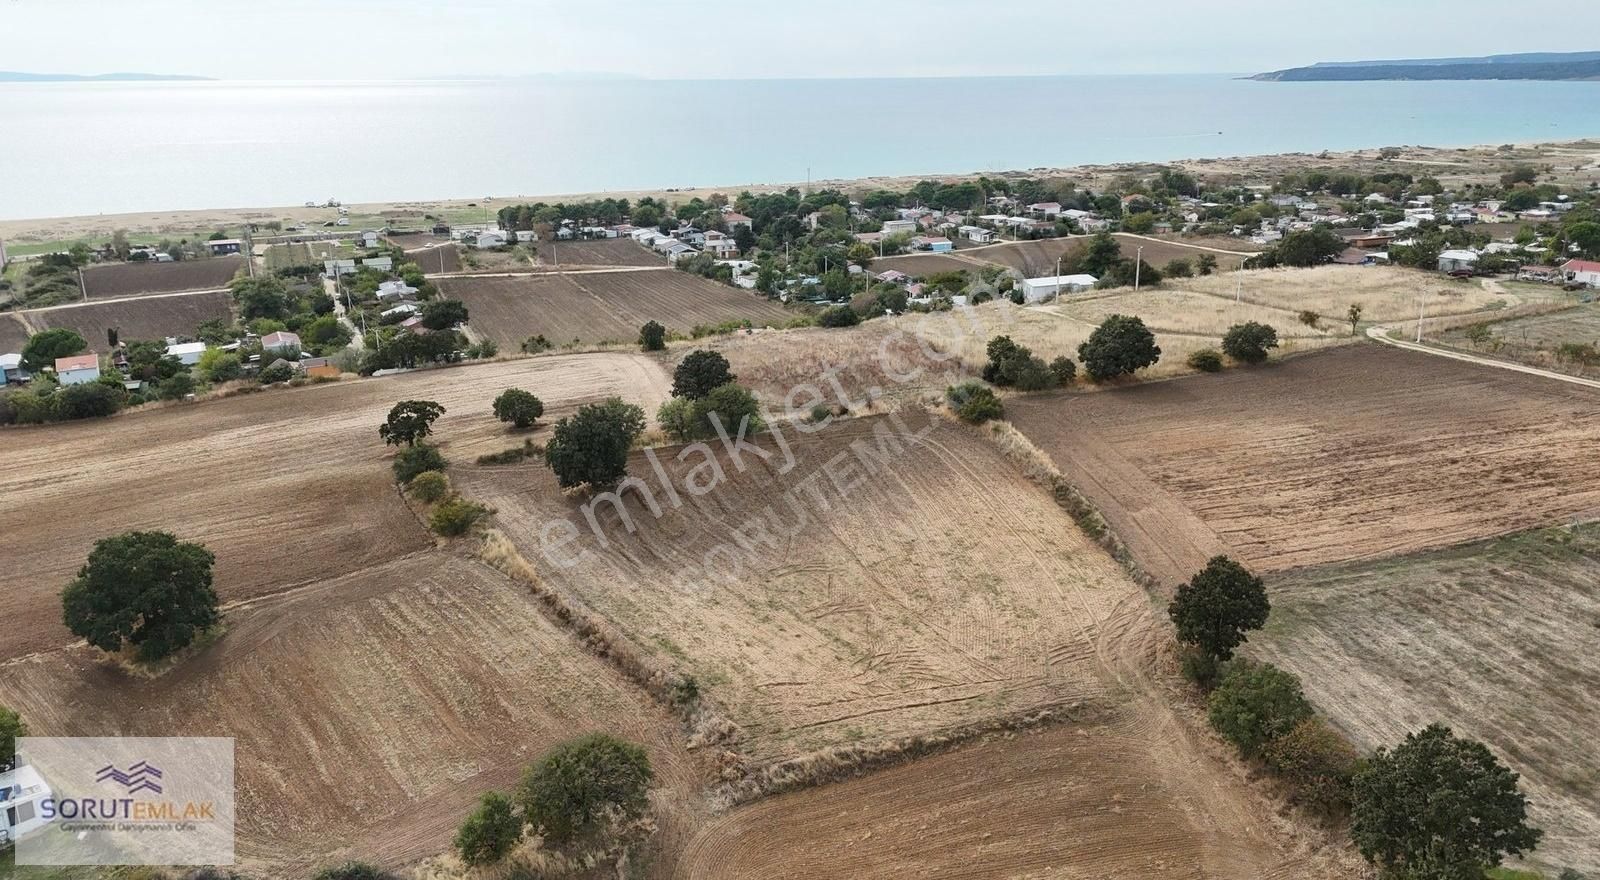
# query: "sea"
{"points": [[113, 147]]}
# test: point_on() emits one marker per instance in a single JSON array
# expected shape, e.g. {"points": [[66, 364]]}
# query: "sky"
{"points": [[740, 39]]}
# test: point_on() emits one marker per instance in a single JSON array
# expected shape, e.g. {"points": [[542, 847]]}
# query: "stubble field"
{"points": [[1356, 453], [287, 487], [596, 252], [369, 710], [602, 306], [134, 279], [1487, 638]]}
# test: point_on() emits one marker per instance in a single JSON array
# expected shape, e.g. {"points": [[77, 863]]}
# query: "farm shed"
{"points": [[1458, 261], [1039, 289], [11, 369], [78, 370], [187, 353]]}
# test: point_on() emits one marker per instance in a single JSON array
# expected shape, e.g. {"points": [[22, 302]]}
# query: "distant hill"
{"points": [[15, 76], [1528, 65]]}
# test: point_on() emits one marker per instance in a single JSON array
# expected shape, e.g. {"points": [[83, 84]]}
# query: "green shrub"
{"points": [[1064, 370], [512, 455], [429, 486], [653, 336], [490, 832], [275, 373], [974, 402], [1120, 346], [354, 871], [699, 373], [90, 400], [518, 407], [536, 344], [455, 516], [1255, 704], [838, 316], [1206, 360], [1248, 343], [176, 387], [1317, 761], [1201, 668], [414, 460]]}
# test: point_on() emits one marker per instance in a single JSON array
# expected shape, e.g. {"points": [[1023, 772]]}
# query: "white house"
{"points": [[11, 369], [665, 244], [382, 264], [280, 342], [527, 235], [899, 227], [977, 234], [681, 251], [1039, 289], [936, 243], [1582, 272], [78, 370], [21, 790], [1045, 209], [187, 353], [369, 239], [492, 238], [1458, 261], [395, 289], [719, 245], [401, 309]]}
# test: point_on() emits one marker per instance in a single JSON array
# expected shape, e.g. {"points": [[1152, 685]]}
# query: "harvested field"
{"points": [[923, 265], [369, 710], [1486, 638], [1175, 311], [437, 260], [512, 259], [597, 252], [874, 359], [1357, 453], [1058, 329], [1098, 800], [286, 487], [601, 306], [134, 279], [410, 241], [145, 317], [874, 607], [305, 253], [1031, 259], [1386, 294]]}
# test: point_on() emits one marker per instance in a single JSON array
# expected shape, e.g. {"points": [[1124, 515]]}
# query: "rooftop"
{"points": [[78, 362]]}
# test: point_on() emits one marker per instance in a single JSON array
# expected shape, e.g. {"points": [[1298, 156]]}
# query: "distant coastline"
{"points": [[18, 76], [1547, 66]]}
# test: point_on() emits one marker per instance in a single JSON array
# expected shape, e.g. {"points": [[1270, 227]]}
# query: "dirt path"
{"points": [[1381, 334]]}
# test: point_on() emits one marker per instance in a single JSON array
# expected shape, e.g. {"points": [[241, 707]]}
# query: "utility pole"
{"points": [[1058, 277], [1422, 308], [1138, 263]]}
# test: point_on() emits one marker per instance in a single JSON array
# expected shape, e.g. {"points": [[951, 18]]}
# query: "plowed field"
{"points": [[597, 252], [1355, 453], [145, 317], [601, 306], [286, 487], [132, 279]]}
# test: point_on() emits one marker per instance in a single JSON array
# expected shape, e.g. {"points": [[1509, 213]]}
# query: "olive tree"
{"points": [[144, 589], [577, 785]]}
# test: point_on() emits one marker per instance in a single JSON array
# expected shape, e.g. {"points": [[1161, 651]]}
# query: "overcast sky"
{"points": [[700, 39]]}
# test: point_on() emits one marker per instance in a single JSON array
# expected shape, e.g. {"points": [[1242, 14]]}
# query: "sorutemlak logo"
{"points": [[122, 801]]}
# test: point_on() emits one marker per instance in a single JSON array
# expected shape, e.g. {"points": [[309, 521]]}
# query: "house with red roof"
{"points": [[78, 370], [1582, 272]]}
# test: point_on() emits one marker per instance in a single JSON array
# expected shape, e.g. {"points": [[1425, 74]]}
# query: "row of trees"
{"points": [[1434, 807]]}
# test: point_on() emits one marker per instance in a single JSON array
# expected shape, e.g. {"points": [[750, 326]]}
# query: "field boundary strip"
{"points": [[1381, 334]]}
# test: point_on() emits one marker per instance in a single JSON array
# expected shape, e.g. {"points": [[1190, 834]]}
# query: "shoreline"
{"points": [[1471, 163]]}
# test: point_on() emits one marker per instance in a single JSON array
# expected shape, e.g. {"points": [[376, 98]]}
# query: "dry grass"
{"points": [[1385, 293]]}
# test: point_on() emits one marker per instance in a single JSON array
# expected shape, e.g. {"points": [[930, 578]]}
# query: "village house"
{"points": [[223, 246], [1581, 272], [977, 234], [78, 370], [936, 243], [893, 276], [1051, 210], [280, 342], [733, 220], [719, 245], [22, 790], [369, 239], [380, 264], [11, 371], [491, 238], [187, 353], [395, 289], [899, 227], [401, 309], [1453, 261], [1040, 289]]}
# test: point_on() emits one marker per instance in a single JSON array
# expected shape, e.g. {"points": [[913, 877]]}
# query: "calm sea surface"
{"points": [[73, 148]]}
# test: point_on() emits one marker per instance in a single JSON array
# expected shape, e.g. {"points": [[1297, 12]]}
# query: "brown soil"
{"points": [[598, 252], [369, 711], [144, 317], [287, 487], [131, 279], [1356, 453], [602, 306], [437, 260], [1486, 638]]}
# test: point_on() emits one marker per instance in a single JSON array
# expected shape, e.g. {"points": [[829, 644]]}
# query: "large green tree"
{"points": [[1255, 704], [591, 446], [443, 314], [144, 589], [576, 785], [1121, 345], [1218, 606], [42, 349], [520, 408], [1438, 807], [699, 373], [409, 422], [1250, 342]]}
